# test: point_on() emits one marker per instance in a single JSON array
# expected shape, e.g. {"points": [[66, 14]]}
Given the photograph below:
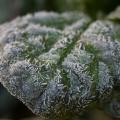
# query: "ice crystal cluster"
{"points": [[60, 65]]}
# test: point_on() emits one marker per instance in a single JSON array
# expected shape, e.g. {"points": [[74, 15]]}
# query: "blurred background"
{"points": [[9, 9], [11, 108]]}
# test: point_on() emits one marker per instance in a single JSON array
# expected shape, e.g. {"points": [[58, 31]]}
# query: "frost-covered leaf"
{"points": [[57, 65]]}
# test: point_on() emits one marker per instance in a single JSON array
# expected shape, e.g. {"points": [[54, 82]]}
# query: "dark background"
{"points": [[9, 9]]}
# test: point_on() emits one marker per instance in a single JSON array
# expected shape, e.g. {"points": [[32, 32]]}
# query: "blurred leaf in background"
{"points": [[9, 9], [92, 7]]}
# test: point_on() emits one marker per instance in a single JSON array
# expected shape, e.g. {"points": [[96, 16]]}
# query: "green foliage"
{"points": [[60, 65]]}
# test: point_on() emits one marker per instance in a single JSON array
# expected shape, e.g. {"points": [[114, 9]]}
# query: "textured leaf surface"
{"points": [[58, 65]]}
